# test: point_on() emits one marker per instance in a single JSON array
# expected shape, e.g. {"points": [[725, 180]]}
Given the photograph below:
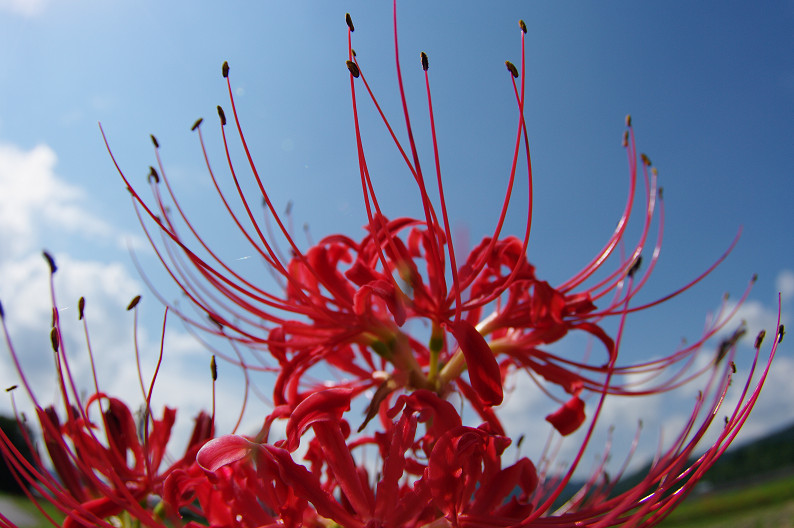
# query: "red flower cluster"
{"points": [[403, 327]]}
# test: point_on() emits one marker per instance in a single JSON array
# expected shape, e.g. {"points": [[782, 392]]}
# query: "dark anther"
{"points": [[349, 22], [12, 387], [755, 278], [635, 266], [628, 120], [522, 25], [197, 123], [154, 140], [2, 313], [760, 338], [217, 320], [353, 68], [733, 367], [425, 63], [80, 308], [781, 331], [625, 141], [225, 69], [222, 116], [730, 342], [134, 302], [50, 261], [512, 69], [660, 193], [645, 160], [54, 339], [153, 175], [214, 368]]}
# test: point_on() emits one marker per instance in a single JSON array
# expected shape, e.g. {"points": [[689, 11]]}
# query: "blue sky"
{"points": [[710, 86]]}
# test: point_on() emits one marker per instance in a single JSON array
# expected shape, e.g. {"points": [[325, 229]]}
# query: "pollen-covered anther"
{"points": [[222, 115], [522, 25], [153, 176], [645, 160], [635, 266], [134, 302], [760, 338], [11, 388], [55, 340], [197, 123], [628, 120], [225, 69], [80, 308], [50, 261], [349, 22], [425, 62], [655, 171], [512, 69], [354, 71], [154, 141]]}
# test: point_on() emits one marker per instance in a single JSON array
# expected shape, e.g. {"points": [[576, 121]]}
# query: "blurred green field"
{"points": [[767, 504]]}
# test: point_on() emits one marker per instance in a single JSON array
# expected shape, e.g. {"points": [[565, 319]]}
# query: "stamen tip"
{"points": [[628, 120], [354, 71], [425, 62], [222, 115], [214, 368], [54, 339], [512, 69], [781, 331], [154, 141], [153, 176], [80, 308], [349, 22], [225, 69], [11, 388], [523, 26], [197, 123], [134, 302], [50, 262], [645, 160], [760, 338]]}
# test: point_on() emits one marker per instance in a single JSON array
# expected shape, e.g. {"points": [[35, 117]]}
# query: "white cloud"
{"points": [[23, 7], [32, 196], [785, 285]]}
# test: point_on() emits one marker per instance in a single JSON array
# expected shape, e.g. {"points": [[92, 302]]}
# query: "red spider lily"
{"points": [[354, 305], [450, 476], [101, 468], [347, 303]]}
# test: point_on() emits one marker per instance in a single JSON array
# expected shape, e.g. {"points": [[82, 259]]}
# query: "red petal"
{"points": [[486, 378], [222, 451], [323, 406], [569, 417]]}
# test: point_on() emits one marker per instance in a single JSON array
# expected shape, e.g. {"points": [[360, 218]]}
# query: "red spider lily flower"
{"points": [[346, 303], [101, 467], [431, 470]]}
